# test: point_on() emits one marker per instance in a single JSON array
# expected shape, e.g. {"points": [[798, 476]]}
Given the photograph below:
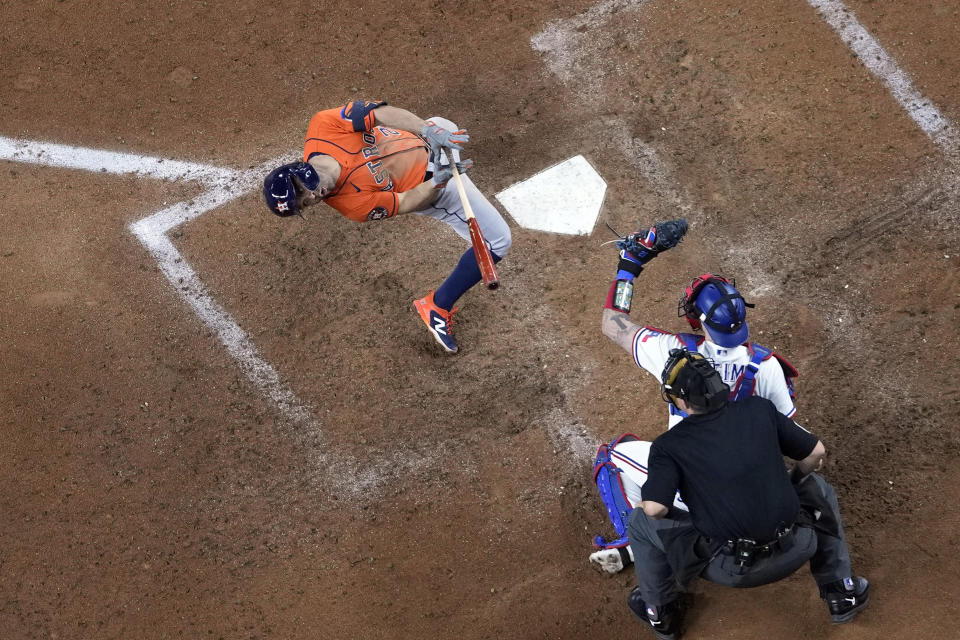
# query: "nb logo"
{"points": [[440, 325]]}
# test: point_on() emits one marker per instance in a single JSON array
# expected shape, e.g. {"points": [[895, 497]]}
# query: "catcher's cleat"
{"points": [[846, 598], [610, 561], [439, 322]]}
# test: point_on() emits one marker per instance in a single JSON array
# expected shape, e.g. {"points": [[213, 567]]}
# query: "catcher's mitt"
{"points": [[664, 235]]}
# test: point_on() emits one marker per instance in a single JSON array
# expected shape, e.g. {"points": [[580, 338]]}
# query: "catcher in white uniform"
{"points": [[711, 304]]}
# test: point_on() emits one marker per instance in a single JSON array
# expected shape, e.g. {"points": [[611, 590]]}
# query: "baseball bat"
{"points": [[488, 270]]}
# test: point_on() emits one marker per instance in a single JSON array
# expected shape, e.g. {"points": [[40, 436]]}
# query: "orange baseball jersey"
{"points": [[376, 162]]}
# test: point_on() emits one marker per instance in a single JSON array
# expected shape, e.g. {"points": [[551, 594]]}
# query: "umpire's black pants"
{"points": [[669, 552]]}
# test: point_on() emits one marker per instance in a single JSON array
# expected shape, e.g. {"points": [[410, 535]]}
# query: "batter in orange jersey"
{"points": [[370, 161], [375, 165]]}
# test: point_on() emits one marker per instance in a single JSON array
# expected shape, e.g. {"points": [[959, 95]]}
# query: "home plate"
{"points": [[565, 198]]}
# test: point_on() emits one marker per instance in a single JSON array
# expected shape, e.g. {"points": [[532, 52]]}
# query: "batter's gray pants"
{"points": [[449, 209]]}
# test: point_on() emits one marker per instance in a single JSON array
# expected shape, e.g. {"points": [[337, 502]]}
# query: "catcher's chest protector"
{"points": [[746, 381]]}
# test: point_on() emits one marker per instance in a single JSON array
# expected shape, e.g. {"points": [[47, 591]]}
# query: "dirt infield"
{"points": [[152, 489]]}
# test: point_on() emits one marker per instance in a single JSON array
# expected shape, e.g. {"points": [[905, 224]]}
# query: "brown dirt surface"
{"points": [[150, 489]]}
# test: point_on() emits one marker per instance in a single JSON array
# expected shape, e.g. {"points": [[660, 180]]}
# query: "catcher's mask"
{"points": [[715, 302], [282, 186], [690, 376]]}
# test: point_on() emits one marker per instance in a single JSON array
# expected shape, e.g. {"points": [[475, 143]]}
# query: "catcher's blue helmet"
{"points": [[280, 187], [715, 302]]}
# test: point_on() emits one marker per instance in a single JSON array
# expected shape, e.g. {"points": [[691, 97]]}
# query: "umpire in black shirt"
{"points": [[750, 522]]}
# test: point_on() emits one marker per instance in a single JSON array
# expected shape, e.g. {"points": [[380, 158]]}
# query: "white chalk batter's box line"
{"points": [[558, 41], [224, 185]]}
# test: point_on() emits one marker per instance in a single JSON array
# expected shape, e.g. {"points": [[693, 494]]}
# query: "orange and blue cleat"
{"points": [[439, 322]]}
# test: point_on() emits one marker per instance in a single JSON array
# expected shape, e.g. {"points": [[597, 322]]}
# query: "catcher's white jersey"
{"points": [[651, 350], [631, 457]]}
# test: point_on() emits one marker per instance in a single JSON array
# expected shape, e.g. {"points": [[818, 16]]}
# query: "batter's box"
{"points": [[221, 186]]}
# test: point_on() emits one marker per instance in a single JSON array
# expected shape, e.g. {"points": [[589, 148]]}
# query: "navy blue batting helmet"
{"points": [[280, 187], [714, 302]]}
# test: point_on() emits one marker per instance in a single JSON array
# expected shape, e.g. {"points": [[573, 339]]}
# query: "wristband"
{"points": [[609, 303], [629, 267]]}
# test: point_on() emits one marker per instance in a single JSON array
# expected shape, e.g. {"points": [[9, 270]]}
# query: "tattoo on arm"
{"points": [[619, 328]]}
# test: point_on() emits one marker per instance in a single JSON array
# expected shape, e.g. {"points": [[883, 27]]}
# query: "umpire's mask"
{"points": [[692, 377]]}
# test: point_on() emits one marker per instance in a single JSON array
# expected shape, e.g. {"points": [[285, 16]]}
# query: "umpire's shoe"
{"points": [[846, 598], [665, 619], [439, 322]]}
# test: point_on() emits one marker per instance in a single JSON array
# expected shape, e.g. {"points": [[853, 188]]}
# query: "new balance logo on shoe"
{"points": [[439, 322]]}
